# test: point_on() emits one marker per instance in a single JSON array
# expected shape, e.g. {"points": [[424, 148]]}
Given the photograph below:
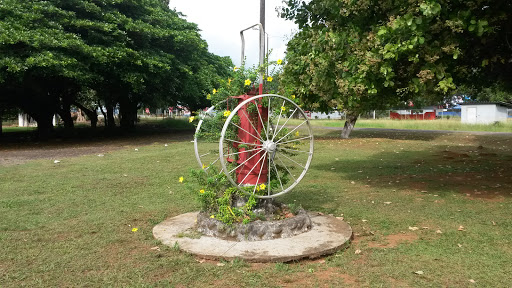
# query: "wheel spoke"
{"points": [[305, 121], [259, 174], [293, 161], [245, 161], [278, 178], [261, 119], [278, 119], [212, 163], [301, 151], [242, 152], [291, 115], [252, 144], [246, 116], [249, 173], [248, 132], [286, 167], [293, 140]]}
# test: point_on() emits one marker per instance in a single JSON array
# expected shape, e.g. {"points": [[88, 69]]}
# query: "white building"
{"points": [[484, 112]]}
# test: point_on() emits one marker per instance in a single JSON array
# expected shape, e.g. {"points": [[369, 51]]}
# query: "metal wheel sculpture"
{"points": [[262, 151]]}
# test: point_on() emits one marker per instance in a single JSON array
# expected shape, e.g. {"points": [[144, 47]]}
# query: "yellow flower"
{"points": [[204, 166], [190, 119], [269, 79], [201, 191], [213, 216], [135, 229], [229, 81], [263, 186], [279, 62], [283, 108], [297, 133], [235, 68], [209, 96], [293, 96], [181, 179], [214, 90], [226, 113], [247, 82]]}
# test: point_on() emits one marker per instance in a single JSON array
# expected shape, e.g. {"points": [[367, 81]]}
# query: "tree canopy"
{"points": [[372, 54], [126, 52]]}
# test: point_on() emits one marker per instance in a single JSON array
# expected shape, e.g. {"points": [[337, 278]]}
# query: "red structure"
{"points": [[249, 171], [425, 116]]}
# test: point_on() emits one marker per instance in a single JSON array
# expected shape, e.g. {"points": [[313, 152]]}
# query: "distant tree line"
{"points": [[56, 54]]}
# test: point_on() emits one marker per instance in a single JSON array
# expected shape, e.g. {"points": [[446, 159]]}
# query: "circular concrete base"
{"points": [[326, 237]]}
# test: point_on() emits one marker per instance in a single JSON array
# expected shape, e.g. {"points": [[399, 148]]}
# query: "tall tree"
{"points": [[129, 52], [365, 55]]}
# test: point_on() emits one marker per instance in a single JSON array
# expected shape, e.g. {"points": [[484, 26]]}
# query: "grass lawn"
{"points": [[438, 124], [431, 202]]}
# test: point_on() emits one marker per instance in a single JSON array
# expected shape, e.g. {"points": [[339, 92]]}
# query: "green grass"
{"points": [[439, 124], [70, 224]]}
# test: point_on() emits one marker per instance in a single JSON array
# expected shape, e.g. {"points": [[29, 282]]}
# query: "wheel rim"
{"points": [[281, 146], [206, 143]]}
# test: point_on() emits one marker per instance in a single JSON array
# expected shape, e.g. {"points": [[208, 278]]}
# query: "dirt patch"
{"points": [[394, 240]]}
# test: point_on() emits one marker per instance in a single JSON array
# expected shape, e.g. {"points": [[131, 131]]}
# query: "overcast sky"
{"points": [[220, 23]]}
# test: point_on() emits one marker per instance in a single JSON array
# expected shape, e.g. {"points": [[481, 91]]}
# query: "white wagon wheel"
{"points": [[282, 146]]}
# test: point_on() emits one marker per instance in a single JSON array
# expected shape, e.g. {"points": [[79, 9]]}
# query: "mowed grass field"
{"points": [[438, 203], [452, 124]]}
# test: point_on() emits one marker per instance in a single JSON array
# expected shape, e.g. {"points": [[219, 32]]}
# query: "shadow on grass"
{"points": [[326, 133], [479, 170], [82, 134]]}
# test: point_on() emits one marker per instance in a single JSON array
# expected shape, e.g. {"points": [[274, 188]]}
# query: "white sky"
{"points": [[220, 22]]}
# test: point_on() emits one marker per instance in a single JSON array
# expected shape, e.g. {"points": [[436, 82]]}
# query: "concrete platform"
{"points": [[328, 235]]}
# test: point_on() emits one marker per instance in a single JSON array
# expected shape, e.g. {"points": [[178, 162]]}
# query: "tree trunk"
{"points": [[64, 112], [350, 122], [128, 114], [0, 123], [111, 123], [91, 114], [103, 113], [44, 125]]}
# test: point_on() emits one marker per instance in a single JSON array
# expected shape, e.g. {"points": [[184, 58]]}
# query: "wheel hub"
{"points": [[269, 146]]}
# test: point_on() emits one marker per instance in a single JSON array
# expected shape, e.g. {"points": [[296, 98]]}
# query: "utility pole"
{"points": [[262, 43]]}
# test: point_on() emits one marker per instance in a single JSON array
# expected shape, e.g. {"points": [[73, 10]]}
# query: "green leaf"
{"points": [[421, 40]]}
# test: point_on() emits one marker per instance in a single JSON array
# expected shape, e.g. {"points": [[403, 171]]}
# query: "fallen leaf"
{"points": [[136, 149], [460, 245], [155, 248], [357, 251], [352, 182], [364, 220], [56, 161], [387, 203], [413, 228], [340, 218], [461, 228], [472, 281], [201, 260], [100, 155], [166, 145], [419, 272], [221, 264], [493, 223], [439, 231]]}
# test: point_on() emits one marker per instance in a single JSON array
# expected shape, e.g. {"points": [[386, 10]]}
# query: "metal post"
{"points": [[262, 43]]}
